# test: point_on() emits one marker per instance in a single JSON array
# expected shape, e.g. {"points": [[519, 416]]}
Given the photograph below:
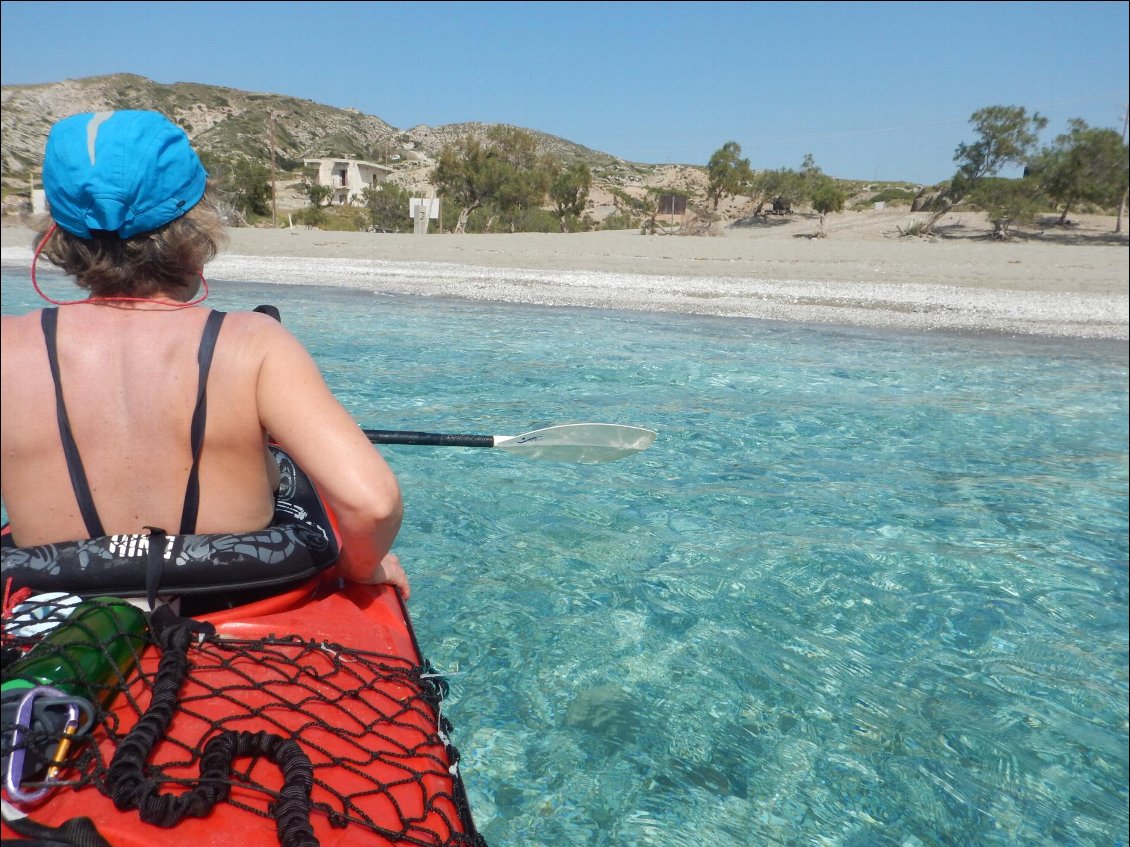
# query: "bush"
{"points": [[529, 220], [628, 200], [387, 207], [619, 220], [577, 224], [310, 216], [1008, 201], [827, 197], [347, 218], [894, 196]]}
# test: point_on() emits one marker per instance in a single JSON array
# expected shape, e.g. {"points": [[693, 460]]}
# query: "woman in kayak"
{"points": [[105, 428]]}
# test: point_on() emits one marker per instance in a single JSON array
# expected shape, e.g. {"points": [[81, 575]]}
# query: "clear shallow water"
{"points": [[865, 589]]}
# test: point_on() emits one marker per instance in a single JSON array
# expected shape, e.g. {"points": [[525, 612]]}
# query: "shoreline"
{"points": [[861, 275]]}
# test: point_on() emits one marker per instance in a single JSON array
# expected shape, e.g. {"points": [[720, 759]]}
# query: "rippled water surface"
{"points": [[865, 588]]}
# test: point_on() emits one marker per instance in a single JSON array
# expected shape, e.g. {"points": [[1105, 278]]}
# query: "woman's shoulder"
{"points": [[27, 319], [259, 334], [255, 325], [14, 329]]}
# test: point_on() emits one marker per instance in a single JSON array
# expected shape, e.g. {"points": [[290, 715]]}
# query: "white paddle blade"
{"points": [[587, 443]]}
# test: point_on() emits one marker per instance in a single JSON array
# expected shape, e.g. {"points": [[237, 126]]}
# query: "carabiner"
{"points": [[13, 774]]}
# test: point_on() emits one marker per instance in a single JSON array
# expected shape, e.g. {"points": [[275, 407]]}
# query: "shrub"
{"points": [[619, 220], [310, 216], [894, 196]]}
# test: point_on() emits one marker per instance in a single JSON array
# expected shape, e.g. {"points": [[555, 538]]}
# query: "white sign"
{"points": [[430, 204]]}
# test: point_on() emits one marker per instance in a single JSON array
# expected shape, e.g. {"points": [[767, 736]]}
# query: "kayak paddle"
{"points": [[588, 443]]}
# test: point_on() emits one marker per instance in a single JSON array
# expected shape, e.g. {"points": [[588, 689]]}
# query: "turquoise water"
{"points": [[866, 588]]}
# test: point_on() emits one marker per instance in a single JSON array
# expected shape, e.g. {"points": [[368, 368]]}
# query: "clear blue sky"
{"points": [[871, 90]]}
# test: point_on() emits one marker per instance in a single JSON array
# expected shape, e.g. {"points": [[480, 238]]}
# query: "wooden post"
{"points": [[1122, 199], [274, 178]]}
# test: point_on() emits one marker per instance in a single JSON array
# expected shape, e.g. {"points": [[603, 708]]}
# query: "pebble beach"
{"points": [[1054, 282]]}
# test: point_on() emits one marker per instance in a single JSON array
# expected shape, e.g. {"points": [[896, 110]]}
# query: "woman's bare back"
{"points": [[129, 379]]}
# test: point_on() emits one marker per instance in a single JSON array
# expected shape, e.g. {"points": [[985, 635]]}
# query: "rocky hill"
{"points": [[221, 120], [230, 123]]}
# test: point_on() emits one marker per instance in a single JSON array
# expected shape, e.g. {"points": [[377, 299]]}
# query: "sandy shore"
{"points": [[1066, 283]]}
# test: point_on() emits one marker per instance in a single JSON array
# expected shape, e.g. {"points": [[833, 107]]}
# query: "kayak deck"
{"points": [[336, 670]]}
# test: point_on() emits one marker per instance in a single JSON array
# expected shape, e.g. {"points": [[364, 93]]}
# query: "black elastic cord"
{"points": [[128, 785], [77, 832], [154, 564]]}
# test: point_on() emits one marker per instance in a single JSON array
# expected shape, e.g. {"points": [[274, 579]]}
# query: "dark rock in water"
{"points": [[607, 711]]}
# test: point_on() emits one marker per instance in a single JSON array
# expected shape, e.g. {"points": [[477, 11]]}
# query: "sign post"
{"points": [[421, 209]]}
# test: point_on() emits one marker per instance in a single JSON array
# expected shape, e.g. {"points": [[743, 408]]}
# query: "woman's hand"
{"points": [[391, 571]]}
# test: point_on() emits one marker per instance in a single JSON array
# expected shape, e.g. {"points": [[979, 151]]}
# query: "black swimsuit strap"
{"points": [[49, 321], [199, 420]]}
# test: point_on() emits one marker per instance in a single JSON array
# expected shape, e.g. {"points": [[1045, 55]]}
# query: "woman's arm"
{"points": [[302, 415]]}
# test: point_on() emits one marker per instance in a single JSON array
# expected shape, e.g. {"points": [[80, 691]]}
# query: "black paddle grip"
{"points": [[433, 439]]}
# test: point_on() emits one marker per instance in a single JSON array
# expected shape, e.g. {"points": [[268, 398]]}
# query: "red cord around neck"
{"points": [[171, 304]]}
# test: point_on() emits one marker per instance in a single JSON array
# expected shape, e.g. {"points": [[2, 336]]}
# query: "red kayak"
{"points": [[323, 715]]}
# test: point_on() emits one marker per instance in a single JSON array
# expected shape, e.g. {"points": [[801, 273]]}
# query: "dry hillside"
{"points": [[239, 124]]}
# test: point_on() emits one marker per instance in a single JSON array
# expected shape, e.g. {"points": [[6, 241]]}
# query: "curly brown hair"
{"points": [[166, 261]]}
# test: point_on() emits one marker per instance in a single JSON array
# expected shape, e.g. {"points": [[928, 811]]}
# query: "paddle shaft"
{"points": [[428, 439]]}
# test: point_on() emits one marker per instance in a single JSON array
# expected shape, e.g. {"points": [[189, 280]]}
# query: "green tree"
{"points": [[467, 175], [809, 170], [1007, 135], [1084, 165], [569, 192], [1007, 202], [826, 196], [241, 187], [783, 185], [315, 193], [387, 205], [727, 173], [251, 188], [505, 174], [525, 176], [311, 216]]}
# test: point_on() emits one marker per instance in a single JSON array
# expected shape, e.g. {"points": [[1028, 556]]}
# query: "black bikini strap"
{"points": [[49, 321], [199, 419]]}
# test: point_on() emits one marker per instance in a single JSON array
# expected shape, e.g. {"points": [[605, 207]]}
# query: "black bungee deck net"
{"points": [[213, 730]]}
